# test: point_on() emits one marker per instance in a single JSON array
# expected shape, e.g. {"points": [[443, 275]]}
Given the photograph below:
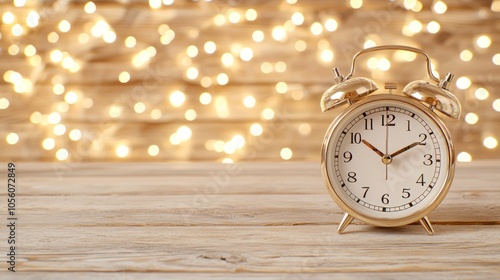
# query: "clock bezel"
{"points": [[448, 167]]}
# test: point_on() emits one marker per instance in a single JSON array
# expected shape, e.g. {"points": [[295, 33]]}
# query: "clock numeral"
{"points": [[369, 124], [428, 160], [347, 157], [385, 198], [351, 177], [355, 138], [422, 139], [390, 120], [420, 180], [406, 193], [366, 191], [409, 128]]}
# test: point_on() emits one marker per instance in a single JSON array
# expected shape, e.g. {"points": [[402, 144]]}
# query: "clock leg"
{"points": [[427, 225], [346, 220]]}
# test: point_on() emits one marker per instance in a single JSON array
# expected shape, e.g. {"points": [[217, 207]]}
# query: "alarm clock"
{"points": [[388, 159]]}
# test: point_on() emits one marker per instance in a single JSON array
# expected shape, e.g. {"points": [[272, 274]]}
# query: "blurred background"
{"points": [[229, 80]]}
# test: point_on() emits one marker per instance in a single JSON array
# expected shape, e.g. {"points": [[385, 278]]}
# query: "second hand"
{"points": [[386, 142]]}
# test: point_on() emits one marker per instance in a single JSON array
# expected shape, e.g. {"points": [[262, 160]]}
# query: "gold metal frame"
{"points": [[421, 215]]}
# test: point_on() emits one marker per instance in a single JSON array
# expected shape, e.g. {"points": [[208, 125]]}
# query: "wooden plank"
{"points": [[264, 220], [276, 249]]}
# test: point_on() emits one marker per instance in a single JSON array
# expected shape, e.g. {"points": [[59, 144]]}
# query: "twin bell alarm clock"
{"points": [[387, 159]]}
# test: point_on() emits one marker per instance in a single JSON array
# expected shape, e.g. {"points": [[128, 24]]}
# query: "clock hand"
{"points": [[404, 149], [372, 148]]}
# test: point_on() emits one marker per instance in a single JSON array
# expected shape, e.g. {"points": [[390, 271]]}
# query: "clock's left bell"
{"points": [[346, 90]]}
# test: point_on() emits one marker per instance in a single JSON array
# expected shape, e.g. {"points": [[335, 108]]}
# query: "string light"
{"points": [[464, 157], [299, 31]]}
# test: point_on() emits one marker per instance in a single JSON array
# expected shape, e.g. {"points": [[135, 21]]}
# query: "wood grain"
{"points": [[265, 220]]}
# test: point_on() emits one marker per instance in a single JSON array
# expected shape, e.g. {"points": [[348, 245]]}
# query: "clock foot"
{"points": [[346, 220], [427, 225]]}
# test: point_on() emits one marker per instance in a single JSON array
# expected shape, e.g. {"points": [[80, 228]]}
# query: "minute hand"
{"points": [[402, 150]]}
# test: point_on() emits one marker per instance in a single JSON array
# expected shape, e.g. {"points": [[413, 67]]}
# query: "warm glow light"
{"points": [[268, 114], [251, 14], [139, 107], [155, 4], [177, 98], [249, 101], [281, 87], [155, 114], [32, 19], [59, 129], [75, 134], [481, 93], [496, 59], [496, 105], [463, 83], [90, 7], [49, 144], [356, 4], [122, 151], [219, 20], [286, 153], [297, 18], [415, 26], [8, 18], [4, 103], [246, 54], [190, 115], [153, 150], [222, 79], [258, 36], [29, 50], [205, 98], [99, 28], [256, 129], [210, 47], [471, 118], [221, 107], [192, 73], [12, 138], [62, 154], [331, 25], [466, 55], [109, 36], [13, 49], [53, 37], [369, 44], [124, 77], [234, 17], [227, 59], [192, 51], [279, 33], [58, 89], [464, 157], [300, 45], [439, 7], [266, 67], [115, 111], [19, 3], [54, 118], [490, 142], [280, 67], [36, 117], [238, 141], [305, 129], [483, 41], [383, 64], [316, 28], [184, 133], [17, 30], [71, 97], [433, 27], [64, 26], [326, 55], [130, 42]]}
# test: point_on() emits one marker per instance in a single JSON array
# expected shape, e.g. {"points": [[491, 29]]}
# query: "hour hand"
{"points": [[372, 148]]}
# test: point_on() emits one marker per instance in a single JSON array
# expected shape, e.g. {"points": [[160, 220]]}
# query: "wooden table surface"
{"points": [[218, 221]]}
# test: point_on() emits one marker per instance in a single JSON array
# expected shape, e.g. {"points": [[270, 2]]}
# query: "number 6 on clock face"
{"points": [[387, 160]]}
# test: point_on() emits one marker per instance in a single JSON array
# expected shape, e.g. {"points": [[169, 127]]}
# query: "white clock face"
{"points": [[387, 159]]}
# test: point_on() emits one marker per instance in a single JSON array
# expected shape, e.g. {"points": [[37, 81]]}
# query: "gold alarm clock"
{"points": [[388, 159]]}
